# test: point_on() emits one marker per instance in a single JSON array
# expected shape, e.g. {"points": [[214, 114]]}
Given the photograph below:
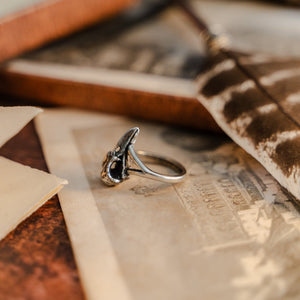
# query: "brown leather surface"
{"points": [[36, 259]]}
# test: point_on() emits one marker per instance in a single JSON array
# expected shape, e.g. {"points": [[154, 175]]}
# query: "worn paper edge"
{"points": [[49, 194], [91, 245], [35, 112]]}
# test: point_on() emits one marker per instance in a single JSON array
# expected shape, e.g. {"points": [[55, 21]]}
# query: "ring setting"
{"points": [[123, 161]]}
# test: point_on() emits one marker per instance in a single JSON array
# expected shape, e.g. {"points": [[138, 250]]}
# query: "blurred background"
{"points": [[135, 58]]}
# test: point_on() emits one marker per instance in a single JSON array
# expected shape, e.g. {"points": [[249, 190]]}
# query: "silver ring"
{"points": [[124, 161]]}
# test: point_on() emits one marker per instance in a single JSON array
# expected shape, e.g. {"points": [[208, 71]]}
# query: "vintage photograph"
{"points": [[149, 150], [160, 236]]}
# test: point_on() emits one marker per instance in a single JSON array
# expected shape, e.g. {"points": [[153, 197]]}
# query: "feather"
{"points": [[255, 99]]}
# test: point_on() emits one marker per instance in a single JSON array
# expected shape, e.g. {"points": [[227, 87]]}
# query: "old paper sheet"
{"points": [[228, 232], [13, 119], [22, 189]]}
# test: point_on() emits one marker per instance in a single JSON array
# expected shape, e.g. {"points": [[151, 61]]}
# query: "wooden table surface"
{"points": [[36, 259]]}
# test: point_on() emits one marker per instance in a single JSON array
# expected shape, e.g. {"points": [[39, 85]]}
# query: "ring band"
{"points": [[124, 161], [156, 159]]}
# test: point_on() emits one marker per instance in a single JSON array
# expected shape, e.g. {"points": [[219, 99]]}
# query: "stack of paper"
{"points": [[22, 189]]}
